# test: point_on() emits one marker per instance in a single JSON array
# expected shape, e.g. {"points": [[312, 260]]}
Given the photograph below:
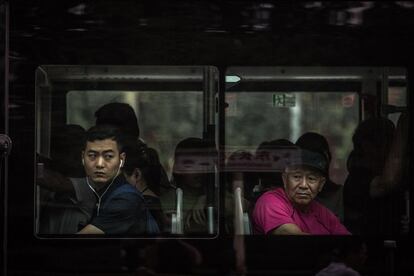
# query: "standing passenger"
{"points": [[372, 141]]}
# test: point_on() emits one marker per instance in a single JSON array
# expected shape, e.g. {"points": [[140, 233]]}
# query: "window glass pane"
{"points": [[179, 113], [255, 117], [397, 96], [267, 110]]}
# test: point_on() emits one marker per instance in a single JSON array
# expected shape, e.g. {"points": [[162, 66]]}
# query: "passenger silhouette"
{"points": [[121, 115], [372, 141], [239, 174], [142, 169], [192, 171], [270, 179], [389, 190], [396, 163], [66, 145], [71, 203]]}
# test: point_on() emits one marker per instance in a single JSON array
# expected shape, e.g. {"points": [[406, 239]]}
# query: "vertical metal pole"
{"points": [[295, 118], [6, 67], [384, 90], [390, 246], [179, 214], [208, 135], [6, 131]]}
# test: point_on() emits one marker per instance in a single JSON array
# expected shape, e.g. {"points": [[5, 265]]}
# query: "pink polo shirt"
{"points": [[273, 209]]}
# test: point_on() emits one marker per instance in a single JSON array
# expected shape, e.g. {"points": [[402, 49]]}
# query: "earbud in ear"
{"points": [[122, 163], [83, 161]]}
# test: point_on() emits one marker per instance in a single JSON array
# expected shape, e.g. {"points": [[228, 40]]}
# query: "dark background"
{"points": [[220, 33]]}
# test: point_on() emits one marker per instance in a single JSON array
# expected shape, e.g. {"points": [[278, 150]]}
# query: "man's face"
{"points": [[102, 160], [302, 185], [192, 180]]}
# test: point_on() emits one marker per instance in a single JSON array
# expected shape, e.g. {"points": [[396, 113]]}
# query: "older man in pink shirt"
{"points": [[291, 210]]}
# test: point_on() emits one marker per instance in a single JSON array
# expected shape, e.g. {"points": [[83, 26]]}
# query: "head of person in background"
{"points": [[143, 171], [142, 168], [372, 140], [270, 179], [193, 173], [315, 142], [193, 161], [121, 115], [103, 155]]}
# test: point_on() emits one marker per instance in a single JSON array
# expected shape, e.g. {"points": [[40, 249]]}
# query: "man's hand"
{"points": [[91, 229], [197, 213], [55, 182]]}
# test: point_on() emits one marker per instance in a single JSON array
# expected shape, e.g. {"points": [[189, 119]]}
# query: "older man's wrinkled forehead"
{"points": [[303, 169]]}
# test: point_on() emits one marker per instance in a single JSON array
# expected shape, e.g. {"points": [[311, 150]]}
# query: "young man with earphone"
{"points": [[120, 208]]}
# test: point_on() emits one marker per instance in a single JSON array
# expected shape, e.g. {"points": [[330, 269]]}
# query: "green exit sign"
{"points": [[284, 100]]}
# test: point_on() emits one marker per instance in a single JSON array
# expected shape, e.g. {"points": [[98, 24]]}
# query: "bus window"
{"points": [[269, 109], [397, 97], [171, 105]]}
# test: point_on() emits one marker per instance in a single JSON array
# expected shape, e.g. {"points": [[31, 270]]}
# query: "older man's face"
{"points": [[302, 185]]}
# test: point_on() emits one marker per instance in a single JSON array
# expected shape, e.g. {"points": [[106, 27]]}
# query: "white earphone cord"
{"points": [[94, 191]]}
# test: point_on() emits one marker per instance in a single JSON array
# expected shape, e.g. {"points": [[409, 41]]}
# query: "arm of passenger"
{"points": [[91, 229], [288, 229], [272, 215], [55, 182], [122, 212], [394, 166], [197, 212], [333, 224]]}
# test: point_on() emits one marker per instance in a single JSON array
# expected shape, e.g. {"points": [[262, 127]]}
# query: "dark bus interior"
{"points": [[233, 73]]}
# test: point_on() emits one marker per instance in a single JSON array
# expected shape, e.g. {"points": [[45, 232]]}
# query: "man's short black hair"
{"points": [[102, 132]]}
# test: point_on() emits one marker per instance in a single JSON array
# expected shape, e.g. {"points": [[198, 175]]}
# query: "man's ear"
{"points": [[137, 174], [323, 181], [122, 158], [82, 157], [284, 178]]}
